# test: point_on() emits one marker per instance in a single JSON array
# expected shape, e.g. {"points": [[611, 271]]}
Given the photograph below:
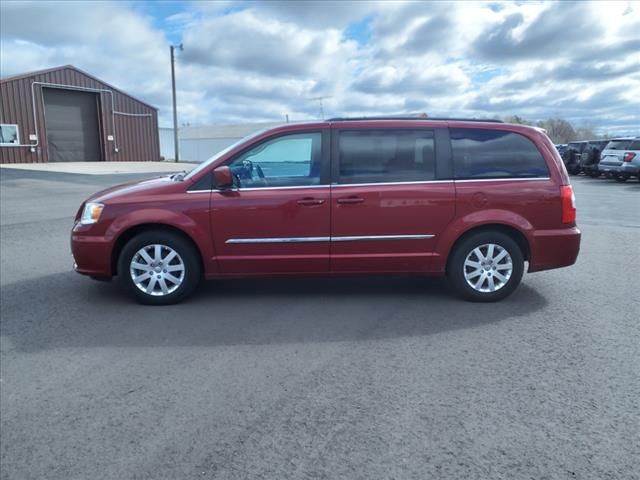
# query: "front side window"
{"points": [[380, 156], [285, 161], [495, 154]]}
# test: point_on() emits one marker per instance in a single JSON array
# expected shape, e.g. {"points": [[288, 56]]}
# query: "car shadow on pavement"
{"points": [[66, 310]]}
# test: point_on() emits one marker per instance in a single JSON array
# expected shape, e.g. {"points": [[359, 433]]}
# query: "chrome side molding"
{"points": [[354, 238], [358, 238], [279, 240]]}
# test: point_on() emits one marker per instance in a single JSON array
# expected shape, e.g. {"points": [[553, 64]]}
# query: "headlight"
{"points": [[91, 213]]}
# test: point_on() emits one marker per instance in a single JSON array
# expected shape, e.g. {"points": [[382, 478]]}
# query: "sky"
{"points": [[249, 62]]}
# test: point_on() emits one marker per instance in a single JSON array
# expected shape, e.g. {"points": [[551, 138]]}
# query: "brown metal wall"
{"points": [[135, 137]]}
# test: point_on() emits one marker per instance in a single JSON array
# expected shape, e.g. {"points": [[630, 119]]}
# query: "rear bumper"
{"points": [[630, 168], [554, 248], [610, 167], [92, 255], [589, 166]]}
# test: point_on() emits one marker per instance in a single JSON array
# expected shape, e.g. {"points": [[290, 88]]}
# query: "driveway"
{"points": [[358, 378]]}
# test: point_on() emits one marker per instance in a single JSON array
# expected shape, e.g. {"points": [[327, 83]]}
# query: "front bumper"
{"points": [[554, 248], [92, 255]]}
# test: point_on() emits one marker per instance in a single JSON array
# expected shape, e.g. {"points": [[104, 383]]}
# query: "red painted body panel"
{"points": [[402, 209], [264, 213], [158, 202], [446, 209], [528, 206]]}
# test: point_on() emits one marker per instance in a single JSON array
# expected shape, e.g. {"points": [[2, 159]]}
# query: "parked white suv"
{"points": [[631, 161], [612, 158]]}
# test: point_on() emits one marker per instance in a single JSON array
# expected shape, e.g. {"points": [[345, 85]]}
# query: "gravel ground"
{"points": [[365, 378]]}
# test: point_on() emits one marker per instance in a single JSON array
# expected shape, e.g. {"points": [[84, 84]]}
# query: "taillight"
{"points": [[628, 156], [568, 204]]}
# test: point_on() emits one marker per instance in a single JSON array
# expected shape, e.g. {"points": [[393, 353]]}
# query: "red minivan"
{"points": [[472, 200]]}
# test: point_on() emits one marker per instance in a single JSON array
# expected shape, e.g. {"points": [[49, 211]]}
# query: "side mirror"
{"points": [[223, 177]]}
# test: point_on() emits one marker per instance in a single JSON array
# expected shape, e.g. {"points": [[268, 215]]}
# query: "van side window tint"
{"points": [[495, 154], [379, 156]]}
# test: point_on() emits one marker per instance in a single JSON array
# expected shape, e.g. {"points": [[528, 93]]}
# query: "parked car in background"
{"points": [[472, 200], [571, 156], [612, 158], [631, 161], [562, 147], [591, 157]]}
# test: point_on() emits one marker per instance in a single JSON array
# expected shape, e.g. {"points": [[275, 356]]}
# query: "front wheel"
{"points": [[159, 268], [486, 267]]}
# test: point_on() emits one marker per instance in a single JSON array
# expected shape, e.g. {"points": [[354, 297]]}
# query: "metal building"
{"points": [[66, 115]]}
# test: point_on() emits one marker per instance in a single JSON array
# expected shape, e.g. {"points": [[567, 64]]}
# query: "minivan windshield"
{"points": [[223, 152], [618, 145]]}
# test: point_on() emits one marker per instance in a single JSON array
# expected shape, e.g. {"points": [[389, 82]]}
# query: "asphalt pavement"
{"points": [[355, 378]]}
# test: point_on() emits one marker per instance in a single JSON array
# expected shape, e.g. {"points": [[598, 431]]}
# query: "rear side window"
{"points": [[635, 145], [495, 154], [618, 145], [380, 156]]}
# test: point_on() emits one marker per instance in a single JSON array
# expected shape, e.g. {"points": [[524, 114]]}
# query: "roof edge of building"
{"points": [[72, 67]]}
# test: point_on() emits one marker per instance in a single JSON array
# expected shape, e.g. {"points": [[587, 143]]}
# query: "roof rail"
{"points": [[354, 119]]}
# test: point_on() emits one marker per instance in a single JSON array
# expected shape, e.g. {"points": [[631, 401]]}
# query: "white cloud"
{"points": [[257, 61]]}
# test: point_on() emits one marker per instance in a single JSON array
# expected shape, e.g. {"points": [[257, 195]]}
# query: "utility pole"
{"points": [[173, 91]]}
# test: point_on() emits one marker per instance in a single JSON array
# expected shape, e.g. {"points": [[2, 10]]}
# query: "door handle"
{"points": [[350, 200], [310, 202]]}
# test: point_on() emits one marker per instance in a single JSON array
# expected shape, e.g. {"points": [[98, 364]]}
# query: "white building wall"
{"points": [[166, 143], [197, 144], [200, 149]]}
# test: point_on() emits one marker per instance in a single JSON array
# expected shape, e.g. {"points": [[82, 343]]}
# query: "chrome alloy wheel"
{"points": [[488, 268], [157, 270]]}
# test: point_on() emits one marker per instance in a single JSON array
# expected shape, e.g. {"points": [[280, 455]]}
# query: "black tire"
{"points": [[186, 251], [622, 178], [456, 268]]}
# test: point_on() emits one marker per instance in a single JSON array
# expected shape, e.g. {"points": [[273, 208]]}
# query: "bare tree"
{"points": [[517, 119], [561, 130], [558, 129], [585, 133]]}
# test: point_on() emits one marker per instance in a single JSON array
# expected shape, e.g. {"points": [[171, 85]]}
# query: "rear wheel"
{"points": [[159, 267], [486, 267]]}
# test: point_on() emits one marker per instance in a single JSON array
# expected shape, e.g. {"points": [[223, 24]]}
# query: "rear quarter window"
{"points": [[495, 154], [618, 145], [635, 145]]}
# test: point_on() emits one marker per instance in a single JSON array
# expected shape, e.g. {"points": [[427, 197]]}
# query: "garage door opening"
{"points": [[72, 125]]}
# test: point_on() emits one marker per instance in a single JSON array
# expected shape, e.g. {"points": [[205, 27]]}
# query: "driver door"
{"points": [[277, 220]]}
